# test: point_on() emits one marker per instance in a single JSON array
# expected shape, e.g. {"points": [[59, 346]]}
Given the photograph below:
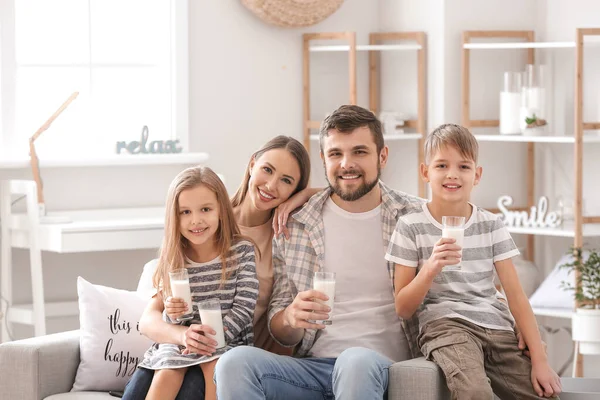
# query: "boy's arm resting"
{"points": [[246, 293], [521, 309], [545, 381], [281, 298], [153, 326], [411, 289]]}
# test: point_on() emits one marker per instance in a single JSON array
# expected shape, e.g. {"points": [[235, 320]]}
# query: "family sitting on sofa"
{"points": [[402, 290]]}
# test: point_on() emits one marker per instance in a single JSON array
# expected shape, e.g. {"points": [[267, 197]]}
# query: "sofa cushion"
{"points": [[110, 344]]}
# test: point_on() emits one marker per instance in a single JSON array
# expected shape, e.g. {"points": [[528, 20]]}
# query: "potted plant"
{"points": [[586, 289], [534, 126]]}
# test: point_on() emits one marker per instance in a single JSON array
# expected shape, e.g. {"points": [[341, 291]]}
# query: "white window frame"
{"points": [[179, 75]]}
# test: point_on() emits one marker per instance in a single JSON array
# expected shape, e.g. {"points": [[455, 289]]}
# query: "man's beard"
{"points": [[363, 188]]}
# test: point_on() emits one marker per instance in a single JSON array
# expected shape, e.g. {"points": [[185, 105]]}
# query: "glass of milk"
{"points": [[454, 228], [180, 288], [324, 282], [210, 314]]}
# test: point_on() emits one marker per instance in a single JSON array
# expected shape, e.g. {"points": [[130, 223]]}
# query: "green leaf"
{"points": [[587, 286]]}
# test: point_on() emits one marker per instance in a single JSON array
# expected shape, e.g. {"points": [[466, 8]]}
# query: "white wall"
{"points": [[245, 88], [246, 80]]}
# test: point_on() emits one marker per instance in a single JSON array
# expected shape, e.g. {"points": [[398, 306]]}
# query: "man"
{"points": [[344, 229]]}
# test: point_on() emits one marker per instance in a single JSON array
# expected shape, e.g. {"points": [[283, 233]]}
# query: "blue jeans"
{"points": [[139, 384], [251, 373]]}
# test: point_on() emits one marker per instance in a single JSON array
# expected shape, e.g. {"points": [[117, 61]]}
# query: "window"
{"points": [[126, 58]]}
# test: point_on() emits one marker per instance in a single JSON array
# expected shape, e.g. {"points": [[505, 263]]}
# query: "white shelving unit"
{"points": [[583, 226], [566, 313], [418, 43], [526, 45], [367, 47], [589, 230], [536, 139], [519, 45]]}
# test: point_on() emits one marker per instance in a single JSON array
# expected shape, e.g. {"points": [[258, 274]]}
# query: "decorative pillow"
{"points": [[110, 343], [550, 294]]}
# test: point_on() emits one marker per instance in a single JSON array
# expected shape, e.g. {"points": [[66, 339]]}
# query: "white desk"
{"points": [[88, 230], [94, 230]]}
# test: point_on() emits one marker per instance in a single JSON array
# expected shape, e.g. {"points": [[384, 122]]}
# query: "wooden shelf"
{"points": [[392, 137], [115, 160], [378, 41], [367, 47], [519, 45], [526, 45], [553, 312], [536, 139], [589, 230]]}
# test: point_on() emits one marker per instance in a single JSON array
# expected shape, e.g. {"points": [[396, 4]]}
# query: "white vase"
{"points": [[586, 329], [510, 106]]}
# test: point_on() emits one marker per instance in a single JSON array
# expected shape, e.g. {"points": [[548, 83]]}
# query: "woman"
{"points": [[274, 185]]}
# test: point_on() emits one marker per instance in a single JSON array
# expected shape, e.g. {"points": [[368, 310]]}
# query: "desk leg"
{"points": [[5, 292], [577, 362], [5, 267], [37, 276]]}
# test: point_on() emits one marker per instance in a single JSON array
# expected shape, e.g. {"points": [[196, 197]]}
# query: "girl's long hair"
{"points": [[174, 245], [294, 147]]}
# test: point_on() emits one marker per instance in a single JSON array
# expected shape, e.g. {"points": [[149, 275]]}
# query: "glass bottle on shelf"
{"points": [[510, 103], [533, 101]]}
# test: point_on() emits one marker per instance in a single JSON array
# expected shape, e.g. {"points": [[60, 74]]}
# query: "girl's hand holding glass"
{"points": [[196, 342], [175, 307]]}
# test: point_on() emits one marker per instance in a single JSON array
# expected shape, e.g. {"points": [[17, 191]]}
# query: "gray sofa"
{"points": [[45, 367]]}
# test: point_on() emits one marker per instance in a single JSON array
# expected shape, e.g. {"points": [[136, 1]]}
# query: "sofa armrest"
{"points": [[417, 379], [35, 368]]}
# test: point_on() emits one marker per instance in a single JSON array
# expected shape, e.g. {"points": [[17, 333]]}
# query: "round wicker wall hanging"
{"points": [[292, 13]]}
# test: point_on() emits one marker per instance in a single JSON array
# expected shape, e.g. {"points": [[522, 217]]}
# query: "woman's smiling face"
{"points": [[273, 178]]}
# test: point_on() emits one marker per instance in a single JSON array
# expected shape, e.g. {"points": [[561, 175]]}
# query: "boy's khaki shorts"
{"points": [[478, 362]]}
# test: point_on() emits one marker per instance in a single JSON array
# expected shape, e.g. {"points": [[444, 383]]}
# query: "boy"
{"points": [[465, 327]]}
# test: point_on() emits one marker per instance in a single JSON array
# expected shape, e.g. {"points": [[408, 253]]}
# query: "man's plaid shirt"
{"points": [[295, 260]]}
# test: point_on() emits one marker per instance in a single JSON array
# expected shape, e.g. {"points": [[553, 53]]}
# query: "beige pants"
{"points": [[478, 362]]}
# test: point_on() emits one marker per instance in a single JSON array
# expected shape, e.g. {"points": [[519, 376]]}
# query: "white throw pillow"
{"points": [[145, 286], [110, 344], [550, 294]]}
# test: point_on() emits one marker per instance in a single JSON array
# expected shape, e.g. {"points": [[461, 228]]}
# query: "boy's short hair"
{"points": [[451, 135]]}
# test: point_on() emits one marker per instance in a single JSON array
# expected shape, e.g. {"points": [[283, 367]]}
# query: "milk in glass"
{"points": [[210, 314], [325, 282], [454, 228], [180, 288]]}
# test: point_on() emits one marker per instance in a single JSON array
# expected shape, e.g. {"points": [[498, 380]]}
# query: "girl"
{"points": [[274, 184], [201, 235]]}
